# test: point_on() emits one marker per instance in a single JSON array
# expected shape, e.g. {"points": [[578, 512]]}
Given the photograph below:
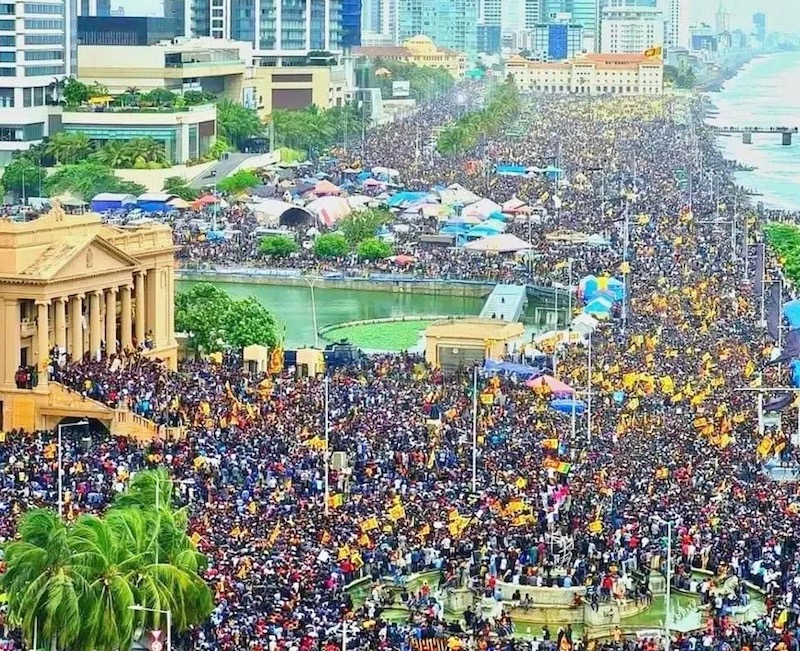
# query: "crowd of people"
{"points": [[668, 445]]}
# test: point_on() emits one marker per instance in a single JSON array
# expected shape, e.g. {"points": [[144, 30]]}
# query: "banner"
{"points": [[758, 281], [774, 310], [401, 88]]}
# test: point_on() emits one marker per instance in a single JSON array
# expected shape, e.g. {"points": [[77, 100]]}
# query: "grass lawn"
{"points": [[389, 336]]}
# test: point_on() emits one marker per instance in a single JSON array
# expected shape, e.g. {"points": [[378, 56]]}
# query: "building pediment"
{"points": [[79, 256]]}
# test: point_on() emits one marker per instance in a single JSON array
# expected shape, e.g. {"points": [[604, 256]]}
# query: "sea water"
{"points": [[765, 93]]}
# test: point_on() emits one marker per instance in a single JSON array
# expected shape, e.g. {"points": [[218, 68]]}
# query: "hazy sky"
{"points": [[782, 15]]}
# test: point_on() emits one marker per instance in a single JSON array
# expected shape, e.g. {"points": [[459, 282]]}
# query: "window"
{"points": [[8, 41], [43, 55], [6, 9], [8, 57], [7, 97], [27, 97], [8, 25], [44, 39], [44, 23], [43, 8], [8, 72], [22, 133], [42, 71]]}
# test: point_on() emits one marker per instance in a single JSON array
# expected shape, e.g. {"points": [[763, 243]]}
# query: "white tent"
{"points": [[483, 208], [503, 243], [584, 323], [329, 210], [456, 193]]}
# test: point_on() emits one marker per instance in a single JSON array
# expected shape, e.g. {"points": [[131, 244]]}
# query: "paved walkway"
{"points": [[222, 168]]}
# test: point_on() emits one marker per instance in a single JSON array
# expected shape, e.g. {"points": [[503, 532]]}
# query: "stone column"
{"points": [[111, 321], [11, 348], [141, 302], [94, 324], [60, 309], [42, 341], [126, 336], [76, 327]]}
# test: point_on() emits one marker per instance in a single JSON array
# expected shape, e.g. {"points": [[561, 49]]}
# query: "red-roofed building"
{"points": [[421, 51]]}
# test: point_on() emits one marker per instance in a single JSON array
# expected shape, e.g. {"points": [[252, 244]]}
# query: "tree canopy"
{"points": [[331, 245], [22, 170], [75, 585], [280, 245], [373, 248], [501, 109], [313, 129], [680, 77], [88, 179], [238, 182], [363, 224], [424, 81], [180, 187], [213, 320], [785, 240], [237, 123]]}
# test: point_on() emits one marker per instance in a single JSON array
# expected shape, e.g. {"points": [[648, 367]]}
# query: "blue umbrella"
{"points": [[565, 405]]}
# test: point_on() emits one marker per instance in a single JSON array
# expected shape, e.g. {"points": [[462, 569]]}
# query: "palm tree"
{"points": [[236, 123], [131, 96], [145, 150], [114, 154], [67, 147]]}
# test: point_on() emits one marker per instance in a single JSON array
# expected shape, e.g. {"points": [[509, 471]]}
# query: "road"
{"points": [[223, 168]]}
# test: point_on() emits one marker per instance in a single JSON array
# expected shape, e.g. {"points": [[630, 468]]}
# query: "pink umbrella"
{"points": [[373, 183], [557, 387], [325, 187], [403, 260]]}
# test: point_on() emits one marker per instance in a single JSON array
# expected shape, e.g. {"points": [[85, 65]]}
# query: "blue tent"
{"points": [[617, 288], [795, 366], [791, 311], [485, 229], [588, 287], [511, 170], [397, 200], [598, 306], [566, 405], [106, 201], [155, 201]]}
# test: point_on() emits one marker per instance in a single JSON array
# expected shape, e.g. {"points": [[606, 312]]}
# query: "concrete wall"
{"points": [[153, 180], [440, 288]]}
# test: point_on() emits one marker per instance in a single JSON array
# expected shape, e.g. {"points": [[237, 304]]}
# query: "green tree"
{"points": [[248, 322], [142, 152], [200, 312], [87, 180], [159, 97], [180, 187], [279, 245], [75, 93], [67, 148], [196, 97], [22, 170], [220, 147], [237, 123], [331, 245], [73, 586], [363, 224], [114, 154], [373, 248], [239, 182], [97, 89]]}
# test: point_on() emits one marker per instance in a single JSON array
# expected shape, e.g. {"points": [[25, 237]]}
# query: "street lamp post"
{"points": [[475, 430], [61, 428], [168, 614], [327, 446], [589, 394], [668, 606], [311, 281]]}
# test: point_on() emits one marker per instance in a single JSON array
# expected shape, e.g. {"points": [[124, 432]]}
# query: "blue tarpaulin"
{"points": [[795, 366], [599, 305], [522, 370], [513, 170], [791, 311], [397, 200], [565, 405]]}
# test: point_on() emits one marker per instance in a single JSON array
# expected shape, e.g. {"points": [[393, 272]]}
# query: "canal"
{"points": [[292, 307]]}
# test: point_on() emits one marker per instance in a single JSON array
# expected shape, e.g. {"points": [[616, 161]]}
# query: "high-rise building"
{"points": [[585, 13], [676, 19], [276, 28], [722, 19], [94, 7], [37, 48], [450, 24], [533, 13], [759, 28], [557, 41], [631, 30]]}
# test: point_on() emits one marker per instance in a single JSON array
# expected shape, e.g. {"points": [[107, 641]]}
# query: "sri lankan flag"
{"points": [[653, 52]]}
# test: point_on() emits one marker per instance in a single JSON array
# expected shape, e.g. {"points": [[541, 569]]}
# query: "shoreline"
{"points": [[394, 284]]}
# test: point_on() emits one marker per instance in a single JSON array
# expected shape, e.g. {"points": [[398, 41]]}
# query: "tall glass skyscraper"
{"points": [[448, 23]]}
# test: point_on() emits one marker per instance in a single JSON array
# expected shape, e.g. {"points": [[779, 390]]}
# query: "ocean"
{"points": [[765, 93]]}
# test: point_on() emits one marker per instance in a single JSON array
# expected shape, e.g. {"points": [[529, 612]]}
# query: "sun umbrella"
{"points": [[403, 260], [206, 200], [567, 405], [556, 387]]}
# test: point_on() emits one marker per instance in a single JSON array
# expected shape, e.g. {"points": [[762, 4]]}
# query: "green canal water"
{"points": [[292, 307]]}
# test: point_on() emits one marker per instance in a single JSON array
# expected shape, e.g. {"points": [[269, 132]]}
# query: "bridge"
{"points": [[747, 133], [506, 302]]}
